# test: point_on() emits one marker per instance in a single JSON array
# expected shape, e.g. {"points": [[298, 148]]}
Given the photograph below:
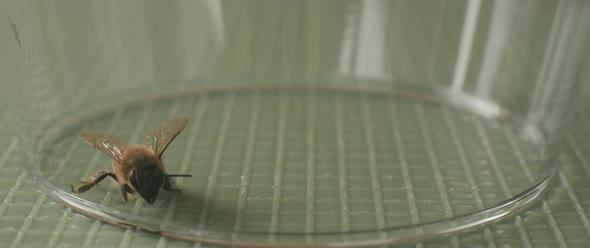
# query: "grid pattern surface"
{"points": [[260, 161], [32, 219]]}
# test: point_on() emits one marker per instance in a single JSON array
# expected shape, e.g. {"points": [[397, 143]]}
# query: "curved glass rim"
{"points": [[389, 235], [392, 235]]}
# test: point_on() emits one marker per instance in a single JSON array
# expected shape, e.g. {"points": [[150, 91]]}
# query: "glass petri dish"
{"points": [[294, 165]]}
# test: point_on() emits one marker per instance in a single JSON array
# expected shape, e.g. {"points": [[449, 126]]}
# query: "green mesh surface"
{"points": [[28, 218]]}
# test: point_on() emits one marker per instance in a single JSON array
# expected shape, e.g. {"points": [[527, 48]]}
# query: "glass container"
{"points": [[311, 123]]}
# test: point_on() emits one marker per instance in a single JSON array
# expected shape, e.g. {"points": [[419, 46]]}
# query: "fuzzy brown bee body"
{"points": [[137, 168]]}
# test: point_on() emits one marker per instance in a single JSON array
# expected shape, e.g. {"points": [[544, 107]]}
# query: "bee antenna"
{"points": [[179, 175]]}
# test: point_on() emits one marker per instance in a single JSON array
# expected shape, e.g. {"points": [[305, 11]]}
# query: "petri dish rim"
{"points": [[388, 235]]}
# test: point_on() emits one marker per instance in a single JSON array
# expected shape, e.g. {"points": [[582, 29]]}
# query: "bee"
{"points": [[136, 168]]}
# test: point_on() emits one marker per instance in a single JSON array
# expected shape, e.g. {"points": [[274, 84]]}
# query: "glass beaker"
{"points": [[343, 123]]}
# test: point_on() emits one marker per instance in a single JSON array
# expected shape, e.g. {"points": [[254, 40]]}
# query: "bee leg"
{"points": [[124, 192], [125, 189], [94, 181], [168, 187]]}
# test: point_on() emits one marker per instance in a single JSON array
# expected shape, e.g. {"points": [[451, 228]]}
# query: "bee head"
{"points": [[147, 181]]}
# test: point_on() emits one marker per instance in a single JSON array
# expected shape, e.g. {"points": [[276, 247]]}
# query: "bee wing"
{"points": [[106, 143], [159, 139]]}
